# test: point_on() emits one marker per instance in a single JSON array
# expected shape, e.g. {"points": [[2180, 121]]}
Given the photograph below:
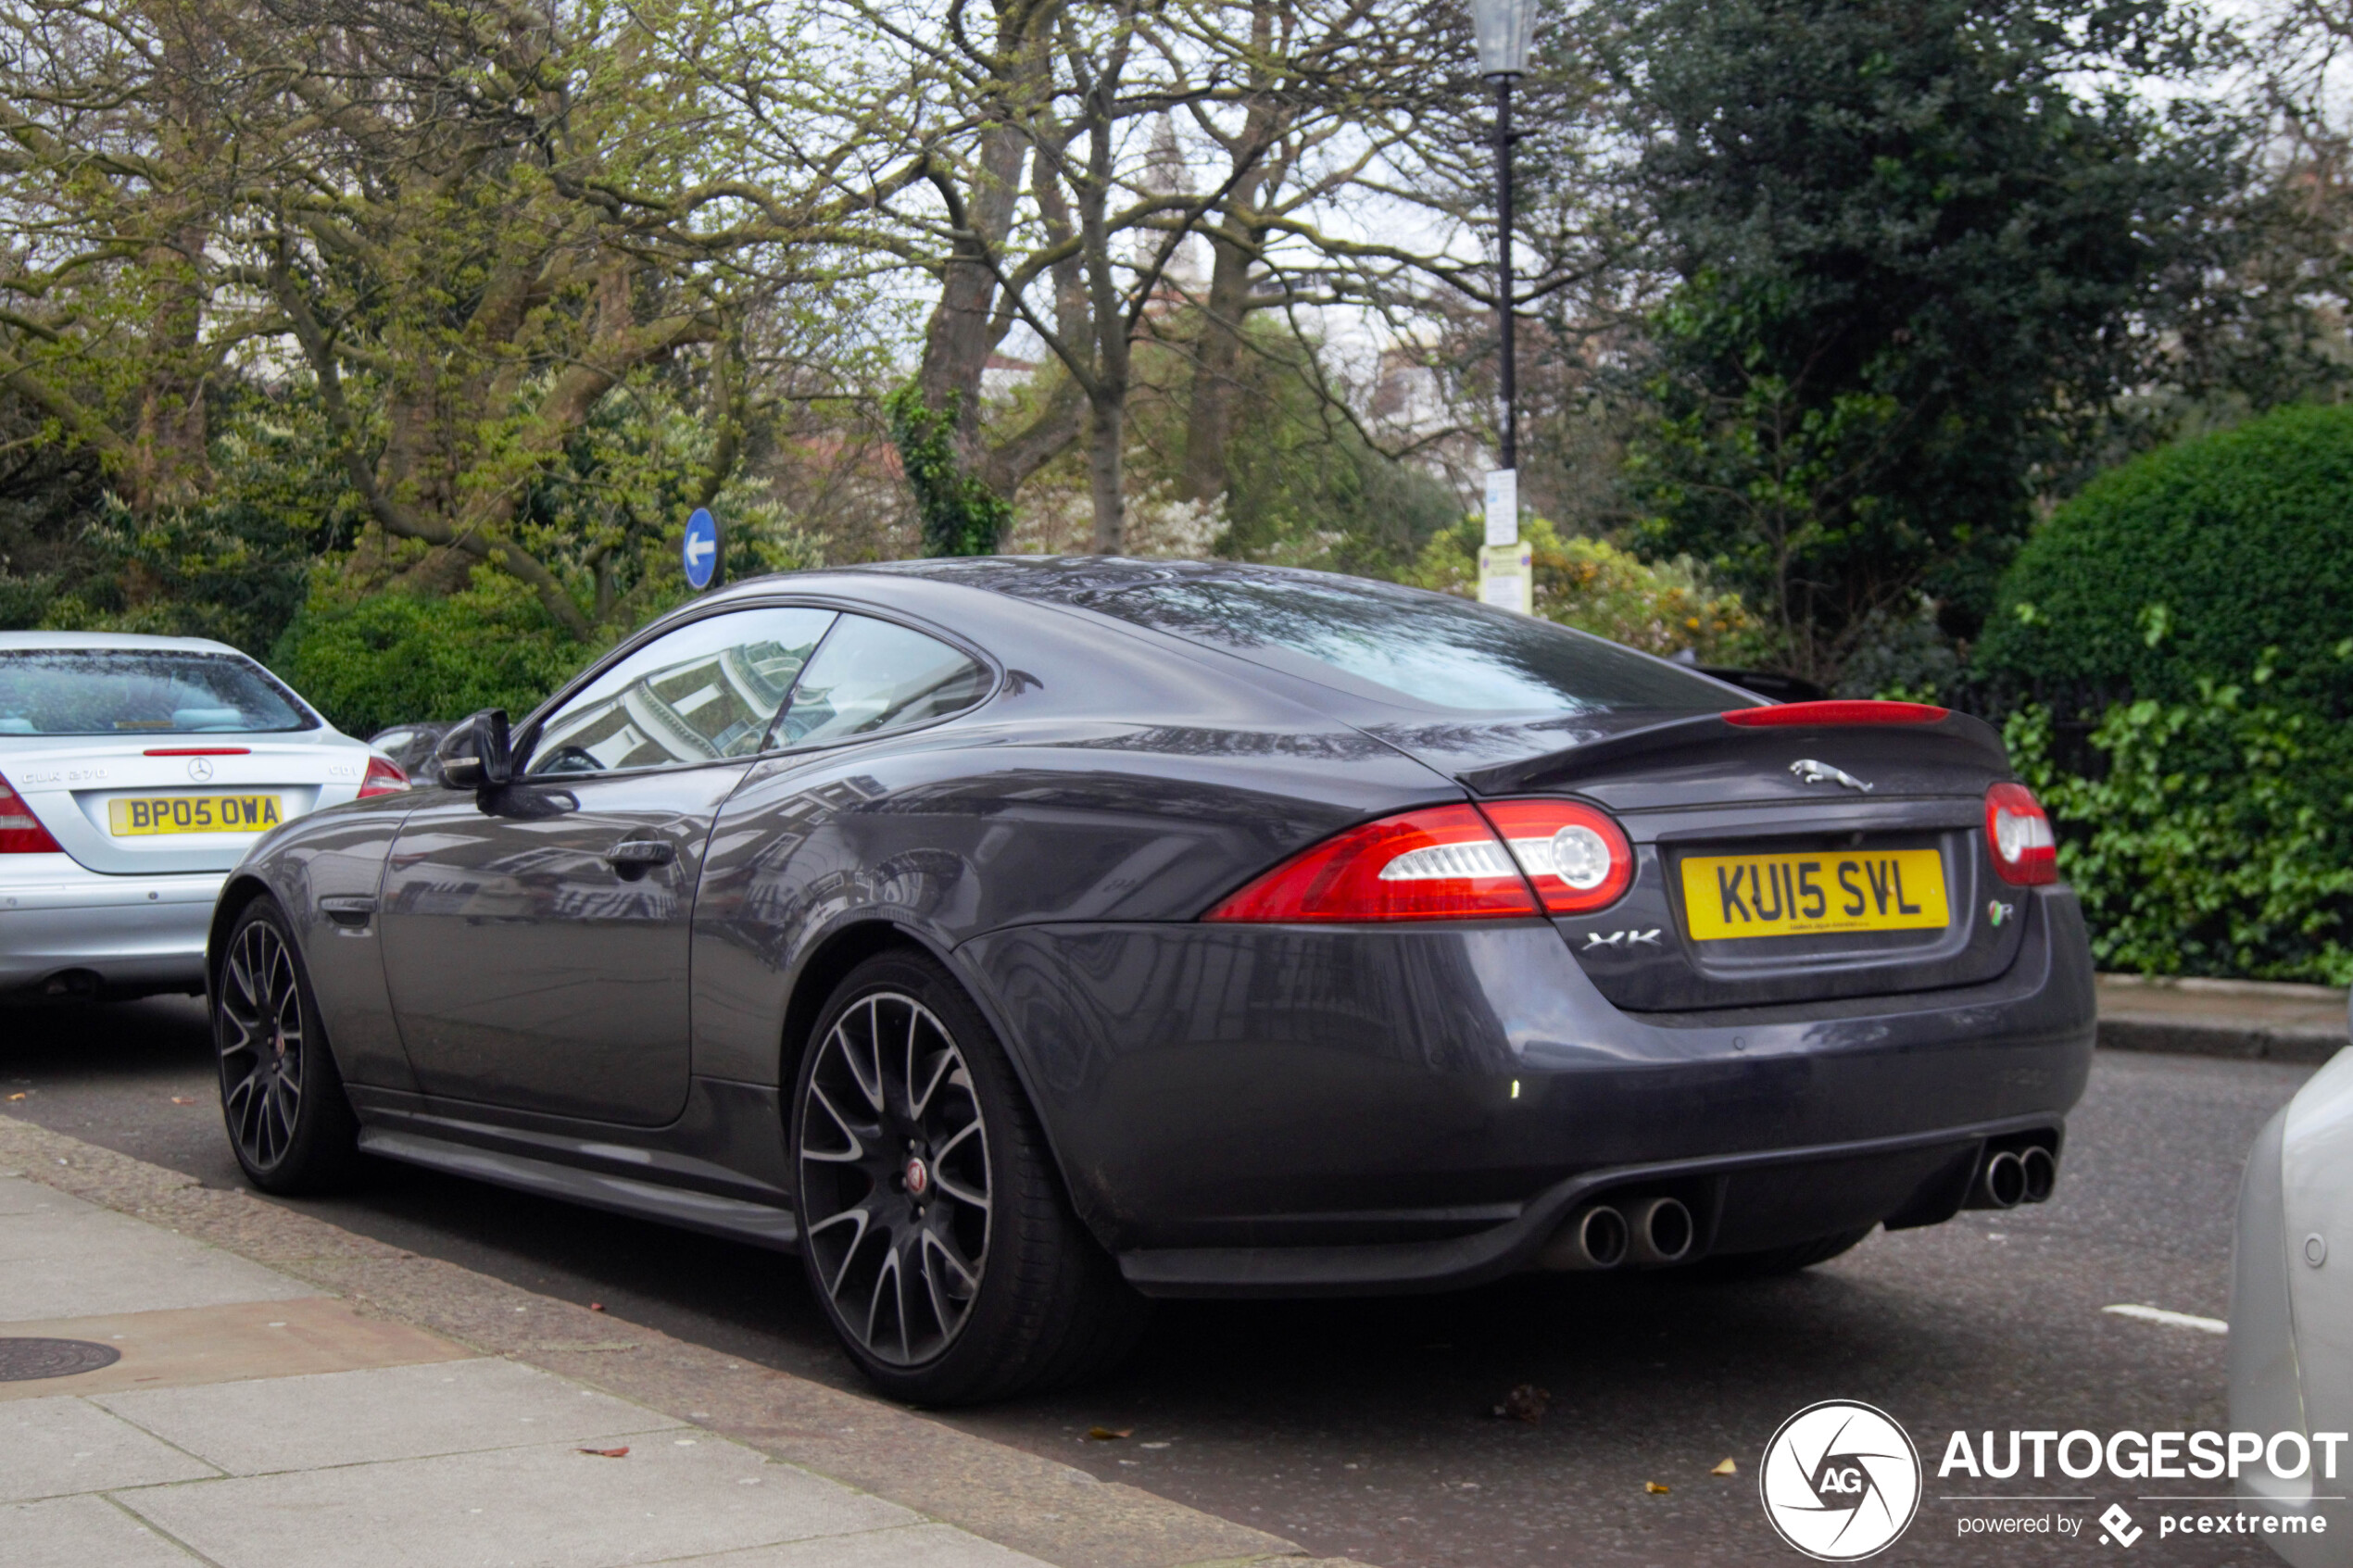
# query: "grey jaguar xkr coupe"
{"points": [[1018, 940]]}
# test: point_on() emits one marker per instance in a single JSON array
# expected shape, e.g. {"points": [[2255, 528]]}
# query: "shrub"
{"points": [[2219, 840], [235, 566], [2207, 556], [1594, 586], [369, 662]]}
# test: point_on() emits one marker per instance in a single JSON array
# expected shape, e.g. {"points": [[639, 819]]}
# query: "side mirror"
{"points": [[474, 754]]}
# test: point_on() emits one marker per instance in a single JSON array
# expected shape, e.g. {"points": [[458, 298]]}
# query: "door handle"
{"points": [[640, 854]]}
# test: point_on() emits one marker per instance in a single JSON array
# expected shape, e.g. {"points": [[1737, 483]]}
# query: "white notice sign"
{"points": [[1502, 506]]}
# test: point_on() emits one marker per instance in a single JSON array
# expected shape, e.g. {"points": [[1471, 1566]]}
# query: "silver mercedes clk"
{"points": [[134, 773]]}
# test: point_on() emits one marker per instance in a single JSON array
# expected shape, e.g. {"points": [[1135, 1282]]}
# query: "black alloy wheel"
{"points": [[934, 1227], [894, 1178], [280, 1095]]}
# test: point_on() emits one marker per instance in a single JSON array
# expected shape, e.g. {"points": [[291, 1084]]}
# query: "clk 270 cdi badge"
{"points": [[1021, 939]]}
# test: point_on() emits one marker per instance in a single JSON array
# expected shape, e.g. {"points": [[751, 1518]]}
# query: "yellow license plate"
{"points": [[194, 813], [1729, 896]]}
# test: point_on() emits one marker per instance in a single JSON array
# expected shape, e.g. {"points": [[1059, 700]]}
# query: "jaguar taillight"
{"points": [[1576, 859], [1506, 859], [2018, 832]]}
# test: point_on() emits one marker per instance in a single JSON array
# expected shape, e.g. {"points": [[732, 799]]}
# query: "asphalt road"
{"points": [[1367, 1429]]}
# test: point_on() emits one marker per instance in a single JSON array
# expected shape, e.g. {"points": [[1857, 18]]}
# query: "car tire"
{"points": [[1789, 1259], [935, 1230], [289, 1121]]}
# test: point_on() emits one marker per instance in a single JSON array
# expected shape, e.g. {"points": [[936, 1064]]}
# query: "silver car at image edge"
{"points": [[134, 773], [2291, 1353]]}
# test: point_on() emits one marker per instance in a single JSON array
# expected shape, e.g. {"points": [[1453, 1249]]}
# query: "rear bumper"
{"points": [[1292, 1109], [129, 931]]}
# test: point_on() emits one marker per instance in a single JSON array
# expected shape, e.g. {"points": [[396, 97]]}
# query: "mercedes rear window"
{"points": [[1432, 650], [136, 691]]}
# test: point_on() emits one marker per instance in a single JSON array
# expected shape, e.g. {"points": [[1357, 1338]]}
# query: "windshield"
{"points": [[134, 691], [1435, 651]]}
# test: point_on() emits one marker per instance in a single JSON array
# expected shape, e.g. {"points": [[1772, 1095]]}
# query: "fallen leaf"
{"points": [[182, 1100], [1727, 1468], [1109, 1433], [624, 1453], [20, 1097], [1526, 1403], [595, 1306], [1654, 1489]]}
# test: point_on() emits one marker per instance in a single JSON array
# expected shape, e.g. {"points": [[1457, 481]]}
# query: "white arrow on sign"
{"points": [[697, 548]]}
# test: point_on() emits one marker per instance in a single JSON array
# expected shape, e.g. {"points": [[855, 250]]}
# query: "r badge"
{"points": [[1996, 911]]}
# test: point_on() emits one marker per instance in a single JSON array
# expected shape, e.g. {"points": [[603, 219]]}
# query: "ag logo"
{"points": [[1839, 1481]]}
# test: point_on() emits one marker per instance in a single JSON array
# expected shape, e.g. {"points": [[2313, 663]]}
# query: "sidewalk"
{"points": [[2234, 1017], [358, 1406]]}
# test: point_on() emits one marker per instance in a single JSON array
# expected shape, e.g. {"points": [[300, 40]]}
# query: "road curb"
{"points": [[2239, 1020], [1007, 1495], [2169, 1039]]}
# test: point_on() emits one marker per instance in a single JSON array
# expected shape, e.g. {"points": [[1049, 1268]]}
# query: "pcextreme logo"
{"points": [[1841, 1481]]}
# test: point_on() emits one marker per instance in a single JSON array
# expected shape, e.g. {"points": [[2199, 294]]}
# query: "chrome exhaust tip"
{"points": [[1594, 1237], [1662, 1232], [2039, 1167], [2001, 1182]]}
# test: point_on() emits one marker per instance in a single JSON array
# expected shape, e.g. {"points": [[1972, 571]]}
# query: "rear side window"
{"points": [[1435, 651], [871, 676], [136, 691]]}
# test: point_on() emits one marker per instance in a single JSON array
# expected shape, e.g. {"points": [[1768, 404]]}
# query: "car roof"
{"points": [[1055, 577], [119, 642]]}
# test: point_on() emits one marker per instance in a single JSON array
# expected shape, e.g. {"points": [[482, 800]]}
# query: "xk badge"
{"points": [[1623, 939]]}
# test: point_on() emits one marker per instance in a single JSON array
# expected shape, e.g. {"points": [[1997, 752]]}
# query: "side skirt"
{"points": [[731, 1218]]}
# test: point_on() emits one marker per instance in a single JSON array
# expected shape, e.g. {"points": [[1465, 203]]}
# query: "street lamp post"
{"points": [[1504, 566]]}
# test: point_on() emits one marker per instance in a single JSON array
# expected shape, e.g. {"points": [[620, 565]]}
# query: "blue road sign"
{"points": [[700, 552]]}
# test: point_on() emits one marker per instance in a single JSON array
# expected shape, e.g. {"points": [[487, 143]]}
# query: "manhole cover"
{"points": [[21, 1360]]}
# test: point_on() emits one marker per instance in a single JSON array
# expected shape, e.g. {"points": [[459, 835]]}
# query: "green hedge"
{"points": [[2199, 560], [2218, 838], [394, 658]]}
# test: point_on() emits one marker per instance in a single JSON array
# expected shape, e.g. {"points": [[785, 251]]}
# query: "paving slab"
{"points": [[1021, 1501], [83, 1532], [195, 1345], [267, 1424], [56, 1446], [544, 1507], [71, 1259], [913, 1546]]}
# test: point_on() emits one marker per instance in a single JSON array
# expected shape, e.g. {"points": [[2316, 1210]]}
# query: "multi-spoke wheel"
{"points": [[934, 1228], [894, 1178], [283, 1101]]}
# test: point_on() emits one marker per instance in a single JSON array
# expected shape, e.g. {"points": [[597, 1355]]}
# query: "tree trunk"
{"points": [[170, 461], [1106, 430], [1209, 414]]}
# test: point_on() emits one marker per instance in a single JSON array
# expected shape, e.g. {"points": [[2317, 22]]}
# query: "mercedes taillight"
{"points": [[21, 831]]}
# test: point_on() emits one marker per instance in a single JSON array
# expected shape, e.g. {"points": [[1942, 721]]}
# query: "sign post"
{"points": [[700, 552]]}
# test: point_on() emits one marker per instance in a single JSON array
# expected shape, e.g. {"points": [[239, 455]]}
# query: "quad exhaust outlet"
{"points": [[1648, 1232], [2011, 1176]]}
